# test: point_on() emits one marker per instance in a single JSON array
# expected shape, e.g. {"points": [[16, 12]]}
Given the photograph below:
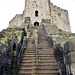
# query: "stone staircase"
{"points": [[28, 63], [46, 61]]}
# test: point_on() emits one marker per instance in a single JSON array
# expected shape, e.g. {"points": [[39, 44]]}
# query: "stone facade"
{"points": [[60, 18], [17, 20], [43, 9]]}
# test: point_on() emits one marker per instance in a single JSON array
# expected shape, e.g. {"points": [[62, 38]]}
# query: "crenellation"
{"points": [[60, 18]]}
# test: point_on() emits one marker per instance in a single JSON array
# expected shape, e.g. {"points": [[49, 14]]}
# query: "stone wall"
{"points": [[72, 44], [60, 17], [17, 20], [37, 5]]}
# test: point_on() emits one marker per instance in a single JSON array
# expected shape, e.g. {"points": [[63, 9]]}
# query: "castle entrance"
{"points": [[36, 24]]}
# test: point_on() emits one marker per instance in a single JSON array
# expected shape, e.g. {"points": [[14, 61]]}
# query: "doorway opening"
{"points": [[14, 47], [36, 13], [36, 24]]}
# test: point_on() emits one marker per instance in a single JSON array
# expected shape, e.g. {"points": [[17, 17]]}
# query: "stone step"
{"points": [[38, 55], [39, 64], [30, 51], [44, 48], [39, 72], [45, 55], [26, 70], [40, 68], [45, 52], [23, 68], [47, 61], [47, 67], [27, 66], [28, 61], [48, 72], [28, 55], [36, 74], [46, 58], [39, 60], [27, 73], [29, 58]]}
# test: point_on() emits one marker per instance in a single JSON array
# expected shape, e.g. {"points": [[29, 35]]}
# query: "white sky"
{"points": [[9, 8]]}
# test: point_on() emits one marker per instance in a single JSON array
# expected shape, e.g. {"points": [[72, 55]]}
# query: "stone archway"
{"points": [[36, 24]]}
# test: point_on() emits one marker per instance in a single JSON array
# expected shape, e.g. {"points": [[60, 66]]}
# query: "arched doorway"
{"points": [[14, 47], [36, 24], [14, 59]]}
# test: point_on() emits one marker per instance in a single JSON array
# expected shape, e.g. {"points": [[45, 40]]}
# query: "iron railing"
{"points": [[67, 58], [21, 53], [62, 56], [36, 56], [49, 38]]}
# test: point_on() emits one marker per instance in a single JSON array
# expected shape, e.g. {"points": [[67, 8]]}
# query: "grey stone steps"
{"points": [[38, 56], [39, 68], [31, 58], [39, 64], [47, 61], [40, 61], [47, 58], [29, 53], [27, 73], [24, 61], [52, 55], [47, 67], [27, 66], [26, 70], [45, 53], [23, 68], [48, 72], [40, 72]]}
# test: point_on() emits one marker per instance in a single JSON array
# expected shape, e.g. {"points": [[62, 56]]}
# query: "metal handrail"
{"points": [[68, 55], [20, 54], [49, 38], [36, 56]]}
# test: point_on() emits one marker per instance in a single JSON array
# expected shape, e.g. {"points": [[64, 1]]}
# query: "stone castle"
{"points": [[43, 10], [38, 42]]}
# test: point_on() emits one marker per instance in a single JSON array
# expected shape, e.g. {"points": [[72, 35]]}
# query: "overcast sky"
{"points": [[9, 8]]}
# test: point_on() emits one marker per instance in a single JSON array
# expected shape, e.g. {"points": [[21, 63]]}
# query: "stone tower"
{"points": [[37, 10], [42, 12]]}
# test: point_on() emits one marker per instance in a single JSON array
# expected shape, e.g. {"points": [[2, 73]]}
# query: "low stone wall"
{"points": [[17, 20]]}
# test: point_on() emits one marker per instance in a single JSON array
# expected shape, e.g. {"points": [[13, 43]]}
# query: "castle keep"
{"points": [[38, 42], [43, 9]]}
